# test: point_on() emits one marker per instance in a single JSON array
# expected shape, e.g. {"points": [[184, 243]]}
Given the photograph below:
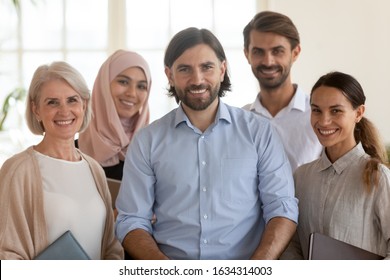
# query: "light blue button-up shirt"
{"points": [[212, 192]]}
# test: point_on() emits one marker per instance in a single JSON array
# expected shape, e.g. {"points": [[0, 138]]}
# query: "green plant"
{"points": [[16, 3], [18, 94]]}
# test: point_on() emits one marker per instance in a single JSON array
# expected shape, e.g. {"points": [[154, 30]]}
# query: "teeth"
{"points": [[327, 132], [268, 72], [198, 91], [64, 122], [128, 103]]}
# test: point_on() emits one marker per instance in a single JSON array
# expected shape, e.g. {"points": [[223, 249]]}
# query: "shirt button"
{"points": [[205, 216], [204, 189], [205, 241], [203, 163], [202, 136]]}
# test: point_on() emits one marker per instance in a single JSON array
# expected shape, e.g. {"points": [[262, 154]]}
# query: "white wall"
{"points": [[352, 36]]}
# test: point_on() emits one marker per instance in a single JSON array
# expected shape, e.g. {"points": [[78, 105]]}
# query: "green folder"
{"points": [[64, 247]]}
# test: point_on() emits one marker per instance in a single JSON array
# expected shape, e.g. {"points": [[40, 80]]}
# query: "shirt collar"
{"points": [[222, 114], [342, 163], [298, 102]]}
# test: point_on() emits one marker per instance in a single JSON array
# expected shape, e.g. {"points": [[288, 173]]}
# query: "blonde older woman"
{"points": [[52, 187]]}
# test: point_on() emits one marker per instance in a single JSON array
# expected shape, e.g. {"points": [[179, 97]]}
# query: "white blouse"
{"points": [[72, 202]]}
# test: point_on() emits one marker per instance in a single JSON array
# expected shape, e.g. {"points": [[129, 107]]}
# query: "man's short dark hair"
{"points": [[274, 22], [189, 38]]}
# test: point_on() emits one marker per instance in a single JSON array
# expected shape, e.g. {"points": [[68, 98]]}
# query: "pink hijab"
{"points": [[106, 139]]}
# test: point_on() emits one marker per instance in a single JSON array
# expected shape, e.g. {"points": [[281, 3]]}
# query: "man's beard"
{"points": [[198, 104], [270, 83]]}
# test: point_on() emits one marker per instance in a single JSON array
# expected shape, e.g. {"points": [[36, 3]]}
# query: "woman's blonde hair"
{"points": [[48, 72]]}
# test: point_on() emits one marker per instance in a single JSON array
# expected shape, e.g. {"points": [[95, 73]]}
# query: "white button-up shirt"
{"points": [[293, 125]]}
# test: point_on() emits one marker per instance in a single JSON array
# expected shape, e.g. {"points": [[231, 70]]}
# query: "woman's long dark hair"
{"points": [[365, 131]]}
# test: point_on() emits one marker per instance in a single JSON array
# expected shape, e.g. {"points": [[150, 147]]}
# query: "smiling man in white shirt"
{"points": [[271, 46]]}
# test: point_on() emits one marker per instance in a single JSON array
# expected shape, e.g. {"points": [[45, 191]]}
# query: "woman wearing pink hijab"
{"points": [[120, 108]]}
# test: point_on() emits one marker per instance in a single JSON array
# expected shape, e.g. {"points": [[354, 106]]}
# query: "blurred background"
{"points": [[345, 35]]}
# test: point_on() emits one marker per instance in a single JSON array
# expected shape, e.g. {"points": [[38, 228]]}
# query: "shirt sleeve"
{"points": [[136, 194], [276, 184], [23, 231]]}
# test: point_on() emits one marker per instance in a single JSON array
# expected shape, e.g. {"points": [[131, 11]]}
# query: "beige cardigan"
{"points": [[23, 230]]}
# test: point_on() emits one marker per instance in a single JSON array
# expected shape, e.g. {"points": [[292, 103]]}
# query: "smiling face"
{"points": [[333, 120], [197, 75], [61, 110], [129, 91], [271, 58]]}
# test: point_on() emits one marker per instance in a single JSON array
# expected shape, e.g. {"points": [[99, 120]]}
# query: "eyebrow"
{"points": [[208, 63], [201, 64], [272, 48], [333, 106], [182, 65], [129, 78], [55, 98], [124, 76]]}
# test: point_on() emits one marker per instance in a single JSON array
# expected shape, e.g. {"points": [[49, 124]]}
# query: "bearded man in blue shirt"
{"points": [[216, 177]]}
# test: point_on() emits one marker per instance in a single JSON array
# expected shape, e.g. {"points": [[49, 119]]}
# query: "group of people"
{"points": [[207, 180]]}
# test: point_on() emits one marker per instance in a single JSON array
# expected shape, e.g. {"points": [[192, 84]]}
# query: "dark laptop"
{"points": [[322, 247]]}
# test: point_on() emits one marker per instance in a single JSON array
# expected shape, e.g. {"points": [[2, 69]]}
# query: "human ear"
{"points": [[34, 109], [295, 52], [168, 73], [360, 113], [223, 70], [246, 53]]}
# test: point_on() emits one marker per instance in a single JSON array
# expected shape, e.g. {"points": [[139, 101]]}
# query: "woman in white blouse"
{"points": [[52, 187], [345, 193]]}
